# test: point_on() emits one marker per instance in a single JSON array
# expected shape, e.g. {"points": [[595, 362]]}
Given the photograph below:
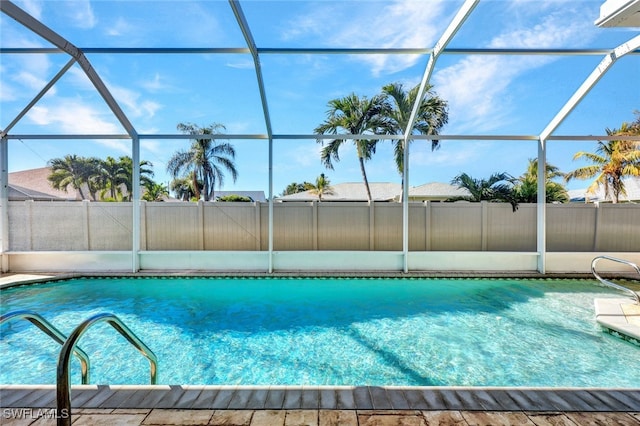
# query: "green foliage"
{"points": [[431, 116], [295, 187], [111, 179], [498, 188], [235, 198], [611, 163], [353, 115], [526, 186], [205, 161], [321, 187]]}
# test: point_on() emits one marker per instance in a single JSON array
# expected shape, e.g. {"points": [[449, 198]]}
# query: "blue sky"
{"points": [[487, 94]]}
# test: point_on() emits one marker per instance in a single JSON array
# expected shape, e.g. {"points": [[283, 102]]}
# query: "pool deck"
{"points": [[290, 405], [319, 406]]}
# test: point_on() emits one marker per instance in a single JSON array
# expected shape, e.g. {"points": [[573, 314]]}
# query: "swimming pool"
{"points": [[325, 331]]}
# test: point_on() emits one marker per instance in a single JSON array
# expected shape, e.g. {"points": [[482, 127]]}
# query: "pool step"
{"points": [[619, 317]]}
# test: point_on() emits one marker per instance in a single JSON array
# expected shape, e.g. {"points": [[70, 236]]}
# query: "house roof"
{"points": [[33, 184], [437, 190], [632, 187], [351, 191]]}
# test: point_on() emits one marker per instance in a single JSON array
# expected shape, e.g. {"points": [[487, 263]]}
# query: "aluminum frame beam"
{"points": [[444, 40], [57, 40], [246, 32], [605, 64]]}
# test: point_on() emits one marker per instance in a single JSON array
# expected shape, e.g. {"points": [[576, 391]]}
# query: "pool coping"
{"points": [[193, 397]]}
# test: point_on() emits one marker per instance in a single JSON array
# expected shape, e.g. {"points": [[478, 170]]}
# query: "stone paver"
{"points": [[178, 417], [551, 419], [443, 418], [109, 419], [481, 418], [231, 418], [337, 418], [597, 419], [387, 419], [268, 418], [301, 418]]}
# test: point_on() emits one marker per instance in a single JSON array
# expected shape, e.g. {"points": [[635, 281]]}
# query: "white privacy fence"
{"points": [[309, 226]]}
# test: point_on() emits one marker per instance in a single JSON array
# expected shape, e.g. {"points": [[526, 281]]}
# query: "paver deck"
{"points": [[279, 405]]}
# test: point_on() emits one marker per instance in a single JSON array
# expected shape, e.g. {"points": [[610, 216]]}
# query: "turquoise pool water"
{"points": [[315, 331]]}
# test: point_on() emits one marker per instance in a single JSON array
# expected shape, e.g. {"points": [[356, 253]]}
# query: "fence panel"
{"points": [[230, 226], [618, 227], [110, 226], [343, 226], [507, 230], [456, 226], [571, 227], [293, 226], [173, 226]]}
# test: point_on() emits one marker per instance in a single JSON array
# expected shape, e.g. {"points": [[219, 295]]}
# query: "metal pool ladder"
{"points": [[636, 296], [63, 388], [52, 332]]}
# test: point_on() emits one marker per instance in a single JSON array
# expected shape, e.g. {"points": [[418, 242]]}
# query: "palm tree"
{"points": [[432, 115], [126, 174], [111, 178], [75, 171], [295, 187], [184, 188], [205, 160], [498, 188], [526, 187], [155, 192], [321, 187], [612, 162], [353, 115]]}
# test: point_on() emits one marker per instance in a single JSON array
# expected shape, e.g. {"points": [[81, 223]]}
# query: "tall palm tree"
{"points": [[498, 188], [321, 187], [612, 162], [75, 171], [353, 115], [111, 178], [431, 117], [205, 160], [126, 174], [526, 186]]}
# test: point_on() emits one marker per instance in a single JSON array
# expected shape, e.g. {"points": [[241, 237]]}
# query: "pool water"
{"points": [[325, 331]]}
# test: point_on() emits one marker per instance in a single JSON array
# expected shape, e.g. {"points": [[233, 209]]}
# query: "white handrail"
{"points": [[614, 285]]}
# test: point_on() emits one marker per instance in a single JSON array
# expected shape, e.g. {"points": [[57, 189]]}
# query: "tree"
{"points": [[526, 186], [235, 198], [155, 192], [126, 174], [612, 162], [184, 188], [354, 115], [111, 178], [321, 187], [498, 188], [75, 171], [432, 115], [206, 160], [295, 187]]}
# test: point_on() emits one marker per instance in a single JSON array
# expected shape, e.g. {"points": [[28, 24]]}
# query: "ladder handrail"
{"points": [[636, 296], [51, 331], [63, 387]]}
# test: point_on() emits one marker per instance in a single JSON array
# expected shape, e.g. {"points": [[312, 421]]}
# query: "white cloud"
{"points": [[244, 65], [397, 24], [476, 87], [32, 7], [81, 14], [72, 116], [120, 28]]}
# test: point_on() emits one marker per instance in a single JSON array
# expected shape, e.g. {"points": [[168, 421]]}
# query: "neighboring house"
{"points": [[382, 191], [350, 191], [435, 191], [253, 195], [33, 185], [632, 187]]}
